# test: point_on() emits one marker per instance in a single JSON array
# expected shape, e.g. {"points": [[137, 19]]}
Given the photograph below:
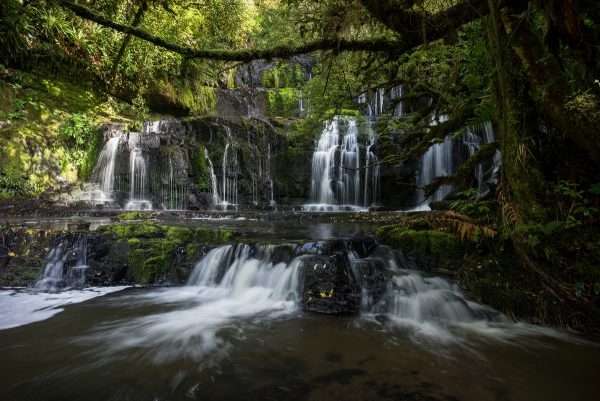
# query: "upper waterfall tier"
{"points": [[337, 178]]}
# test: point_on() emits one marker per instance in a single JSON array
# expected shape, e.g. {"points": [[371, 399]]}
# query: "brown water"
{"points": [[80, 354]]}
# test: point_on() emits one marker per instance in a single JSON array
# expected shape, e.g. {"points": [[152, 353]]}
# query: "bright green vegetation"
{"points": [[51, 131], [151, 249]]}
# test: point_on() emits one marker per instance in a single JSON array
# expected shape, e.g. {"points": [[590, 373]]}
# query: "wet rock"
{"points": [[328, 287]]}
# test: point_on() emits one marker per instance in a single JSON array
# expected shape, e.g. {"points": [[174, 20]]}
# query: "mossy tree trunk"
{"points": [[522, 180]]}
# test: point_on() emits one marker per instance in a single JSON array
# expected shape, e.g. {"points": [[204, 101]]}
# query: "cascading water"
{"points": [[56, 276], [436, 162], [270, 177], [213, 179], [229, 191], [372, 170], [104, 170], [441, 160], [335, 188], [474, 138], [137, 181], [174, 193], [239, 282]]}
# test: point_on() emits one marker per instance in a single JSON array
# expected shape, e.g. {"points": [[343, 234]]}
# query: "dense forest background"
{"points": [[532, 68]]}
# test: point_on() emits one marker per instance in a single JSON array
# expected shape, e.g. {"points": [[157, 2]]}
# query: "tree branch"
{"points": [[373, 44], [410, 23]]}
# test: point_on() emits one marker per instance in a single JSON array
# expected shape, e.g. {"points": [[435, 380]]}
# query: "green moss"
{"points": [[199, 168], [429, 247], [128, 231], [136, 216], [180, 235], [341, 112], [36, 108]]}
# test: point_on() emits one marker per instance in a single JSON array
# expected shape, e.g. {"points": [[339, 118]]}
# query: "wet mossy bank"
{"points": [[490, 271], [141, 253]]}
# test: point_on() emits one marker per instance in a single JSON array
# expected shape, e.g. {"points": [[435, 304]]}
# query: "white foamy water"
{"points": [[228, 285], [21, 307], [235, 287]]}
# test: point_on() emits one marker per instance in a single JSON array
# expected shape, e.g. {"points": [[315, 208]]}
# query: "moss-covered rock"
{"points": [[141, 252], [430, 248]]}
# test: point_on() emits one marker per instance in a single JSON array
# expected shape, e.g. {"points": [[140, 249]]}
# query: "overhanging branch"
{"points": [[245, 55]]}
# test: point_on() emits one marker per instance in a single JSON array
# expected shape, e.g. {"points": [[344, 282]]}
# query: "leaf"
{"points": [[595, 189]]}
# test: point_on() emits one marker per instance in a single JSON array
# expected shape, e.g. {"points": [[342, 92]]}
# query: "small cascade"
{"points": [[104, 170], [137, 181], [262, 282], [213, 180], [442, 159], [174, 194], [432, 307], [436, 162], [396, 93], [270, 177], [474, 138], [229, 192], [244, 269], [407, 298], [372, 171], [57, 275], [382, 102]]}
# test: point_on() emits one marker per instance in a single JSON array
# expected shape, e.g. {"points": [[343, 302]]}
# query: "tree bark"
{"points": [[136, 21], [574, 115], [246, 55], [521, 177], [409, 24]]}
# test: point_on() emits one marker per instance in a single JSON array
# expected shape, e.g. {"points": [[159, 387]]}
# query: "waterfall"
{"points": [[137, 181], [396, 93], [433, 307], [474, 138], [255, 283], [336, 180], [436, 162], [270, 177], [213, 180], [441, 160], [229, 190], [240, 269], [175, 194], [372, 171], [104, 170], [53, 277]]}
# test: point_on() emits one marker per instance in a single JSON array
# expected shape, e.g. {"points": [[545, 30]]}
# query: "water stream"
{"points": [[236, 331]]}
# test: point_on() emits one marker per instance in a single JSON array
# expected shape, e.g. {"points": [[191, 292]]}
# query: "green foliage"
{"points": [[16, 29], [79, 136], [283, 102], [13, 186], [199, 169], [469, 202]]}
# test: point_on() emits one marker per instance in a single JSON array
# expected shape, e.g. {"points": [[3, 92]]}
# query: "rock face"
{"points": [[252, 165], [335, 276], [141, 253], [345, 277]]}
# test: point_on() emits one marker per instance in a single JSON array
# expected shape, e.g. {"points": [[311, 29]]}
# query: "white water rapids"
{"points": [[236, 287]]}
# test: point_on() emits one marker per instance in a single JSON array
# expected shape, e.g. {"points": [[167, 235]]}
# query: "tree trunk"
{"points": [[521, 177], [136, 21], [574, 115]]}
